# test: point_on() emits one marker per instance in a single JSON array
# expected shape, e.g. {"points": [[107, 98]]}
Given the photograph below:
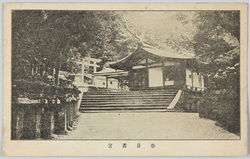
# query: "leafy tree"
{"points": [[54, 40], [217, 43]]}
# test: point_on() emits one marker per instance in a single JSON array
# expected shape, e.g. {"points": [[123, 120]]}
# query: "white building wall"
{"points": [[198, 80], [195, 80], [155, 77], [100, 81], [202, 81], [113, 83]]}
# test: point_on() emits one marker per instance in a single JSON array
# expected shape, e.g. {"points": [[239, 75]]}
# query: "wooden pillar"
{"points": [[119, 80], [131, 78], [183, 67], [202, 82], [107, 82], [163, 74], [147, 72]]}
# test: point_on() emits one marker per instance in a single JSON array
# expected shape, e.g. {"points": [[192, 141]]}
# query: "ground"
{"points": [[164, 125]]}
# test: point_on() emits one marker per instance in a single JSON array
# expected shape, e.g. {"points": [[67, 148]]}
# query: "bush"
{"points": [[40, 90], [223, 107]]}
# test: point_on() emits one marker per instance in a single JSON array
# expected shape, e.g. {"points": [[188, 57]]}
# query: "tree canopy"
{"points": [[217, 43], [54, 40], [58, 38]]}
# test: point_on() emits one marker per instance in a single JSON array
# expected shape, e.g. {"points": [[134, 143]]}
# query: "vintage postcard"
{"points": [[125, 79]]}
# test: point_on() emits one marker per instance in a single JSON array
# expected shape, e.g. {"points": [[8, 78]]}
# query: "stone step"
{"points": [[125, 108], [126, 105], [123, 102], [157, 100], [125, 111], [123, 93], [126, 95], [127, 99]]}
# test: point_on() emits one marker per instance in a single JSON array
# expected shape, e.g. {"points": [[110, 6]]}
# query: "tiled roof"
{"points": [[129, 60], [166, 53]]}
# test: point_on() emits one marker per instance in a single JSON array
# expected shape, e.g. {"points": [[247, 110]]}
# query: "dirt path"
{"points": [[168, 125]]}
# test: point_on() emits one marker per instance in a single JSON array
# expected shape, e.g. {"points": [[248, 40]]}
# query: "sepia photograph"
{"points": [[111, 75]]}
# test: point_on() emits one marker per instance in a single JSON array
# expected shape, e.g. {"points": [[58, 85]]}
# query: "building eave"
{"points": [[127, 62]]}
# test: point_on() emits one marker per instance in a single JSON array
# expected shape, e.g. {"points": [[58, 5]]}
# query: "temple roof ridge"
{"points": [[145, 48]]}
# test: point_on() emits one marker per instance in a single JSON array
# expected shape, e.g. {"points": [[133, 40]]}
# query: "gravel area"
{"points": [[153, 125]]}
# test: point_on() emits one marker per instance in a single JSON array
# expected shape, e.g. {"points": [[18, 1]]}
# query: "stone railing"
{"points": [[189, 100], [40, 114]]}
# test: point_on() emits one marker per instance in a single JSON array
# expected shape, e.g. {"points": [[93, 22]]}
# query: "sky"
{"points": [[161, 25], [157, 26]]}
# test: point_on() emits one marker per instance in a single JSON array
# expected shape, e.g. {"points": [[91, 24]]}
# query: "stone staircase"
{"points": [[127, 101]]}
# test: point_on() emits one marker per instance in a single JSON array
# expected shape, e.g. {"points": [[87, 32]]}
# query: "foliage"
{"points": [[54, 40], [222, 107], [40, 90], [217, 43]]}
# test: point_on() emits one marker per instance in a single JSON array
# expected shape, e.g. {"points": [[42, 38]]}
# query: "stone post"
{"points": [[17, 121], [47, 121], [38, 121], [29, 122], [60, 119]]}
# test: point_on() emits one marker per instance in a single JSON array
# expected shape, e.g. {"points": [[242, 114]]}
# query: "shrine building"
{"points": [[151, 68]]}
